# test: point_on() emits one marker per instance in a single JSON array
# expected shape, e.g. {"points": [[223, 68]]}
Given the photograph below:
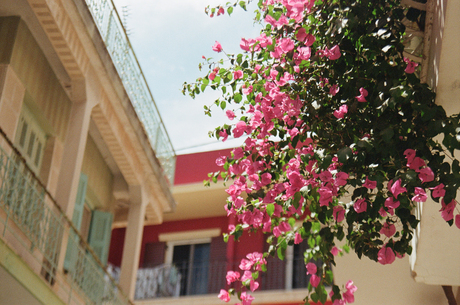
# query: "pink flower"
{"points": [[212, 75], [311, 268], [232, 276], [221, 11], [286, 45], [246, 299], [314, 280], [410, 155], [245, 265], [420, 195], [339, 213], [238, 74], [334, 53], [297, 238], [220, 161], [397, 189], [360, 205], [390, 203], [238, 153], [253, 285], [247, 275], [370, 184], [266, 178], [348, 297], [388, 229], [438, 191], [217, 47], [416, 163], [386, 256], [447, 210], [362, 97], [457, 220], [247, 90], [325, 194], [224, 296], [410, 65], [426, 174], [341, 178], [340, 113], [223, 134], [335, 251], [239, 129], [230, 114], [350, 287], [334, 90]]}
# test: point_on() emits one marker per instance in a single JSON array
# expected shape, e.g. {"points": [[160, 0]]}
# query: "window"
{"points": [[30, 139], [289, 273], [192, 261]]}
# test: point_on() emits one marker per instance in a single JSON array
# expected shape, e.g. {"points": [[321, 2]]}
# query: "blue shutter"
{"points": [[99, 234], [71, 254]]}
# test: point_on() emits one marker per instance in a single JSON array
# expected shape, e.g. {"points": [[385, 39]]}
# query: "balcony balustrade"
{"points": [[119, 47], [31, 223]]}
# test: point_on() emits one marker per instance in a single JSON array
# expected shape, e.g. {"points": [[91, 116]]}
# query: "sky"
{"points": [[169, 38]]}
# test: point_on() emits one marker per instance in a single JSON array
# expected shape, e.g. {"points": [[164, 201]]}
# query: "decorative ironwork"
{"points": [[116, 40], [31, 216]]}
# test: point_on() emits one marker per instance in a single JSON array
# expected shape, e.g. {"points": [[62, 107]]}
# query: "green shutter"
{"points": [[99, 234], [71, 254]]}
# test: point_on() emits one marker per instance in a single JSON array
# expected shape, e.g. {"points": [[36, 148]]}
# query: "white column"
{"points": [[289, 268], [133, 240]]}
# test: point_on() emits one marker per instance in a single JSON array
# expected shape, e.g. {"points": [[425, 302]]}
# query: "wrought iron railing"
{"points": [[30, 216], [156, 282], [119, 47], [192, 278]]}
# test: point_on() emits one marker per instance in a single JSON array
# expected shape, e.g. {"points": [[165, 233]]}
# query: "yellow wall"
{"points": [[100, 179], [50, 103]]}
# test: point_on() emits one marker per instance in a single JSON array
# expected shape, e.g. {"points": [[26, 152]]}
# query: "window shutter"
{"points": [[218, 265], [154, 254], [99, 234], [71, 254]]}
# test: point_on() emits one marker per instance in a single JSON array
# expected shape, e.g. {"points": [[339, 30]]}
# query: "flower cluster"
{"points": [[340, 138]]}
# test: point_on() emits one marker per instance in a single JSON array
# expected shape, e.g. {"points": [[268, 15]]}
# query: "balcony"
{"points": [[203, 278], [33, 228], [125, 61]]}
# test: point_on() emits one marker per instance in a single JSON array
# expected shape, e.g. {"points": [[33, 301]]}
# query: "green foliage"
{"points": [[299, 137]]}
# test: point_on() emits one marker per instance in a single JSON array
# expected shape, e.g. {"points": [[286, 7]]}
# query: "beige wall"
{"points": [[50, 102], [385, 285], [100, 179]]}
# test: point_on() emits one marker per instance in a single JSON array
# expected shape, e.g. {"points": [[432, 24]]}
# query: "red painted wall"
{"points": [[194, 168], [248, 243]]}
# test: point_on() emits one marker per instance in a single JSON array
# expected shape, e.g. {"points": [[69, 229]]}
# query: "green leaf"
{"points": [[270, 209], [281, 253], [237, 98], [243, 4], [230, 10], [223, 104], [344, 154], [387, 134]]}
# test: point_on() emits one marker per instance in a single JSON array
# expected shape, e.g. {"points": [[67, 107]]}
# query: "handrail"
{"points": [[127, 65], [26, 201]]}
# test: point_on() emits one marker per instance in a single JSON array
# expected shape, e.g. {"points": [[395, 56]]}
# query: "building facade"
{"points": [[189, 239], [82, 150]]}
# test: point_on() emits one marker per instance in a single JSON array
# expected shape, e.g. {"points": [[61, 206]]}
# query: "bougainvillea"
{"points": [[342, 139]]}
